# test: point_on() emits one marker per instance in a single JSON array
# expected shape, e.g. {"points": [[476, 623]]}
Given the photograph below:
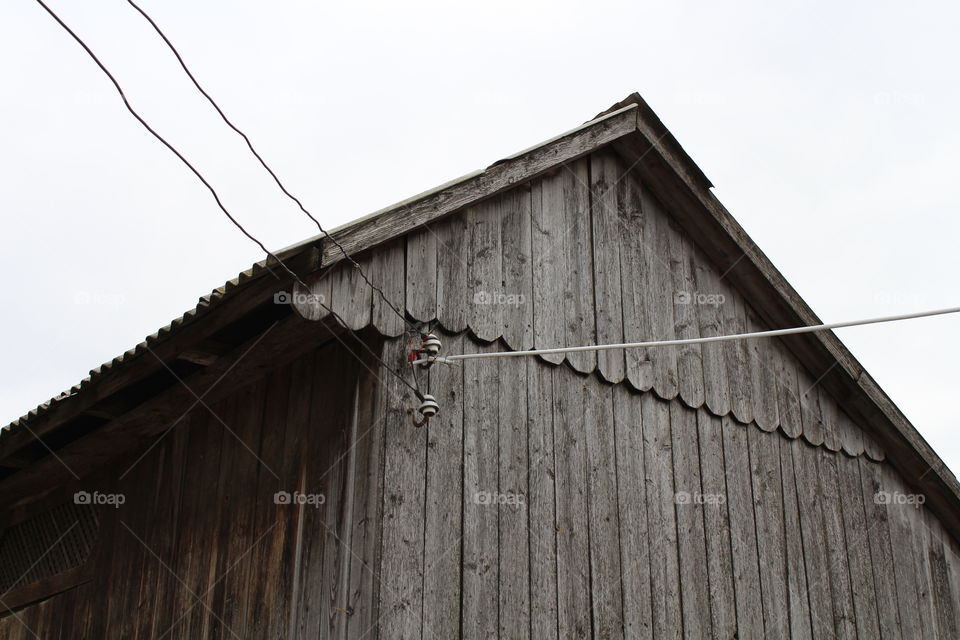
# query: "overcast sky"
{"points": [[829, 129]]}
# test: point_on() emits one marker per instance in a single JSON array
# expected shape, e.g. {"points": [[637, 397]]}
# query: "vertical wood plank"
{"points": [[542, 500], [517, 312], [877, 523], [605, 570], [688, 303], [771, 537], [421, 276], [865, 602], [743, 536], [737, 356], [485, 281], [691, 501], [480, 602], [632, 507], [813, 431], [661, 519], [904, 565], [351, 297], [387, 272], [844, 620], [788, 399], [939, 573], [549, 264], [441, 580], [573, 537], [830, 416], [402, 552], [716, 387], [763, 375], [658, 302], [797, 578], [851, 438], [365, 538], [813, 536], [578, 299], [604, 182], [453, 248], [317, 545], [920, 545], [513, 532], [632, 243], [723, 610]]}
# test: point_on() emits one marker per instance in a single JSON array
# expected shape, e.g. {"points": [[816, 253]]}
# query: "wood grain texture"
{"points": [[661, 519], [844, 620], [634, 532], [633, 278], [765, 473], [604, 520], [862, 580], [813, 536], [549, 265], [485, 264], [687, 301], [402, 553], [743, 536], [779, 538], [387, 272], [710, 319], [691, 535], [659, 294], [541, 509], [605, 177], [723, 610], [763, 375], [350, 297], [421, 273], [517, 267], [444, 501], [797, 578], [578, 293], [878, 529], [513, 536], [573, 534], [453, 247], [788, 395], [480, 599]]}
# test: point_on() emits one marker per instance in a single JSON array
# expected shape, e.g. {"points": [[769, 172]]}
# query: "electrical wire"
{"points": [[216, 196], [263, 163], [672, 343]]}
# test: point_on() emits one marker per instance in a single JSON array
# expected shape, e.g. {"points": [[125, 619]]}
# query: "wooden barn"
{"points": [[253, 469]]}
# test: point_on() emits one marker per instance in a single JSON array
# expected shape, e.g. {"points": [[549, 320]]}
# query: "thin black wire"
{"points": [[263, 162], [214, 192]]}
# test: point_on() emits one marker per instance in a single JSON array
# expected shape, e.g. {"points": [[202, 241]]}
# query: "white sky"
{"points": [[828, 128]]}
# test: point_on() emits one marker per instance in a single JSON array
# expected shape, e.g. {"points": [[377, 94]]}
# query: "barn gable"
{"points": [[587, 255], [718, 490]]}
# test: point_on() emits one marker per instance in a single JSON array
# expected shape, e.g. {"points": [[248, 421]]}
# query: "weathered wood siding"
{"points": [[707, 492], [584, 256], [539, 503]]}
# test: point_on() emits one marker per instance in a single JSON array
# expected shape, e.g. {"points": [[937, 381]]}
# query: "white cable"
{"points": [[736, 336]]}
